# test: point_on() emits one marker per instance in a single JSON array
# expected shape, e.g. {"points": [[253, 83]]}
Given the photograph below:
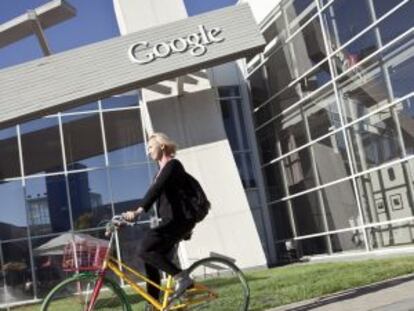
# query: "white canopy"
{"points": [[55, 246]]}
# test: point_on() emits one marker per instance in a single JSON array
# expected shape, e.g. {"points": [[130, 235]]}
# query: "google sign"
{"points": [[196, 43]]}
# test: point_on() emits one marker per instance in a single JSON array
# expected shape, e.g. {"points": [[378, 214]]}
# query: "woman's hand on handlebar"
{"points": [[131, 215]]}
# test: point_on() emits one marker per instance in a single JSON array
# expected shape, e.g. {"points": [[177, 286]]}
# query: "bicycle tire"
{"points": [[74, 293], [223, 278]]}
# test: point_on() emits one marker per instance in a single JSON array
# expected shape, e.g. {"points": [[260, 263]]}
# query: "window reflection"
{"points": [[375, 140], [266, 140], [9, 153], [322, 113], [308, 47], [130, 99], [366, 89], [42, 150], [397, 23], [129, 184], [405, 112], [13, 218], [18, 283], [298, 12], [83, 141], [341, 208], [345, 19], [386, 194], [299, 173], [258, 87], [47, 205], [48, 256], [331, 150], [124, 137], [90, 199]]}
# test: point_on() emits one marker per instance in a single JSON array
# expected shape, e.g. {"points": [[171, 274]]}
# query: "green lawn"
{"points": [[283, 285]]}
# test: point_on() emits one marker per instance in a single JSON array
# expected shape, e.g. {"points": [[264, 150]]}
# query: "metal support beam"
{"points": [[38, 31]]}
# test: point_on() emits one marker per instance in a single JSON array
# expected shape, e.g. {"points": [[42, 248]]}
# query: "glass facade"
{"points": [[332, 102], [68, 172]]}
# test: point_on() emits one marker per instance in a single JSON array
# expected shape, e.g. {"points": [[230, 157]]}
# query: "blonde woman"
{"points": [[160, 241]]}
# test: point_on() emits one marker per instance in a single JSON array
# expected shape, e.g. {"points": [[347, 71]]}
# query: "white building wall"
{"points": [[193, 118], [261, 8], [141, 14]]}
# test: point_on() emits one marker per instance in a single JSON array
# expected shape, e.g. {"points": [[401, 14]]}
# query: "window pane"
{"points": [[331, 150], [366, 89], [298, 12], [375, 140], [281, 222], [382, 7], [9, 153], [291, 131], [258, 87], [13, 218], [322, 112], [396, 234], [348, 241], [124, 137], [129, 185], [401, 71], [341, 206], [280, 69], [47, 205], [121, 101], [89, 197], [308, 46], [48, 257], [314, 246], [87, 107], [42, 150], [386, 194], [397, 23], [345, 19], [267, 142], [83, 141], [308, 214], [405, 113], [17, 271], [274, 182], [299, 172], [276, 28]]}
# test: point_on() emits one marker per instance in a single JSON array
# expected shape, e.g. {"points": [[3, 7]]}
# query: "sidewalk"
{"points": [[393, 295]]}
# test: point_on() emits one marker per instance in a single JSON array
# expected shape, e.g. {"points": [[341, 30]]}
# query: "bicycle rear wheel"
{"points": [[220, 286], [74, 294]]}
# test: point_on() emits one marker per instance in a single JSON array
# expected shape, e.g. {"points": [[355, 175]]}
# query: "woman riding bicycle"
{"points": [[159, 242]]}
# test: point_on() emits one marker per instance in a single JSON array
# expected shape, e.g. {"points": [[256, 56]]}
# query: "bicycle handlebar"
{"points": [[116, 222]]}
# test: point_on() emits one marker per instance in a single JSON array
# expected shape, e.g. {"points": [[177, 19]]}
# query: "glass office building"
{"points": [[331, 99], [70, 173], [333, 106]]}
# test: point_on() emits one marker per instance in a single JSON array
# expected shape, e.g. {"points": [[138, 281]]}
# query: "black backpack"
{"points": [[196, 204]]}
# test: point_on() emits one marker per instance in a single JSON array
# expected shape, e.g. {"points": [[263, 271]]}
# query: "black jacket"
{"points": [[165, 191]]}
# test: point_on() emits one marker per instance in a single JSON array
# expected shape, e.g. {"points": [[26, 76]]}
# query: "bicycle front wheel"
{"points": [[220, 286], [74, 294]]}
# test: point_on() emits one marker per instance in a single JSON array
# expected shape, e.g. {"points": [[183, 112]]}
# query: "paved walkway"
{"points": [[392, 295]]}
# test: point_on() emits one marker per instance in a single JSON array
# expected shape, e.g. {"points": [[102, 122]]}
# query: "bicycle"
{"points": [[218, 285]]}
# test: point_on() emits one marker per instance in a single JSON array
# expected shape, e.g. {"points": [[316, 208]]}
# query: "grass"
{"points": [[288, 284], [293, 283]]}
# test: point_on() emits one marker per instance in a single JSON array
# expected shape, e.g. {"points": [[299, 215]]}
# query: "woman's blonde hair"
{"points": [[170, 147]]}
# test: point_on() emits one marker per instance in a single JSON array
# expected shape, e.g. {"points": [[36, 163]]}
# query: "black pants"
{"points": [[156, 248]]}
